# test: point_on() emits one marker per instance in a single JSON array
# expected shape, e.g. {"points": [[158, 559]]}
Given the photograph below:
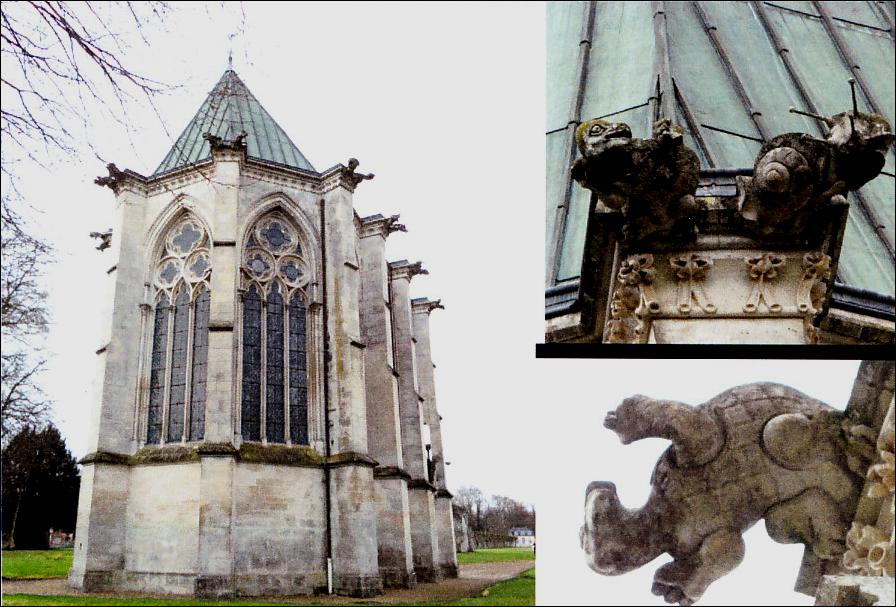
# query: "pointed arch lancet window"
{"points": [[200, 360], [157, 369], [251, 401], [274, 401], [177, 382], [298, 370]]}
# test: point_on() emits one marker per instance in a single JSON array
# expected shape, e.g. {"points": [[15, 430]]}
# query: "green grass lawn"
{"points": [[517, 591], [495, 555], [36, 563], [56, 563]]}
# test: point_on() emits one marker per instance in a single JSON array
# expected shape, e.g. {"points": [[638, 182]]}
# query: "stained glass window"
{"points": [[274, 402], [251, 405], [200, 359], [181, 274], [274, 370], [157, 370], [298, 372], [178, 366]]}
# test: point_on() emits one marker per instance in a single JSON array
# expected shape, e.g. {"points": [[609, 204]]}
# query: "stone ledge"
{"points": [[419, 483], [167, 454], [444, 493], [390, 472], [280, 454], [105, 457], [217, 450], [350, 458], [855, 590]]}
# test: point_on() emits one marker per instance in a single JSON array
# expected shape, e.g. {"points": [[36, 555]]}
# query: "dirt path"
{"points": [[472, 581]]}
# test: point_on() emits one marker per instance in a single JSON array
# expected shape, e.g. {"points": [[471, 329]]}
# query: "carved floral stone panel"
{"points": [[721, 285]]}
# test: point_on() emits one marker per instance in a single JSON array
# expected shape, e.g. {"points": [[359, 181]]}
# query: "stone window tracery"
{"points": [[177, 371], [274, 387]]}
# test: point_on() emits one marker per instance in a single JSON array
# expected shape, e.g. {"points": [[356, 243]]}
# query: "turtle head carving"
{"points": [[599, 536], [626, 420], [595, 136]]}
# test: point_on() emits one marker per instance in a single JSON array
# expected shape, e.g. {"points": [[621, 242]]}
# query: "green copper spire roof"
{"points": [[229, 109]]}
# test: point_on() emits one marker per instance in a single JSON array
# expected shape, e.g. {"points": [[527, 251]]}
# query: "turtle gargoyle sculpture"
{"points": [[652, 181], [756, 451]]}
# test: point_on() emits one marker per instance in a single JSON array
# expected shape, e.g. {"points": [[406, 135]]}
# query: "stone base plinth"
{"points": [[362, 586], [855, 590]]}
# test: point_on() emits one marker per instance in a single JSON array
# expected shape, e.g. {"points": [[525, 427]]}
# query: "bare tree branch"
{"points": [[63, 65]]}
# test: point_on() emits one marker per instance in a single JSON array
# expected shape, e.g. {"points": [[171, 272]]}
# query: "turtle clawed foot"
{"points": [[671, 594]]}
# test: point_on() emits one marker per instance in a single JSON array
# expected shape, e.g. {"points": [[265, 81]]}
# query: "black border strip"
{"points": [[716, 351]]}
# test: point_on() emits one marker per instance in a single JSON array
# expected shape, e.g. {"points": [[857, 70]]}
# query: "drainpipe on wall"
{"points": [[323, 248]]}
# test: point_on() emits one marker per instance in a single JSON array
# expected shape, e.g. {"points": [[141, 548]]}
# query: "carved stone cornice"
{"points": [[180, 178], [423, 305], [343, 176], [691, 270], [727, 286], [403, 269], [282, 176], [870, 542], [377, 225], [228, 149], [119, 181], [633, 301]]}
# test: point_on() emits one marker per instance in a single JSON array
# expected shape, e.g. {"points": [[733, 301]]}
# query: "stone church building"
{"points": [[265, 419]]}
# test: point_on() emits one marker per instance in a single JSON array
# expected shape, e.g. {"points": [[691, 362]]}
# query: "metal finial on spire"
{"points": [[230, 38]]}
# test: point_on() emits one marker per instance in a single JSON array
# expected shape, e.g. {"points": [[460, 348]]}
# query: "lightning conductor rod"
{"points": [[855, 108]]}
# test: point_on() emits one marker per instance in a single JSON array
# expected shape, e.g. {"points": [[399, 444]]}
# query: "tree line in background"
{"points": [[490, 519], [64, 70], [40, 484]]}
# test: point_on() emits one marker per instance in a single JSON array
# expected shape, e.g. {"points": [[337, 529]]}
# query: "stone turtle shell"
{"points": [[742, 482]]}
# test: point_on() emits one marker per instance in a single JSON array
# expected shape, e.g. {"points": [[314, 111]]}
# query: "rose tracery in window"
{"points": [[176, 407], [274, 387]]}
